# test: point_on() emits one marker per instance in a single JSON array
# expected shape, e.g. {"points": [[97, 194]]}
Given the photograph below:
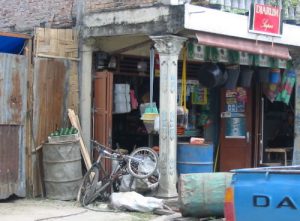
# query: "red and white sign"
{"points": [[266, 19]]}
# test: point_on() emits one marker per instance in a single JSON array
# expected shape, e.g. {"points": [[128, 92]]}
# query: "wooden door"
{"points": [[236, 129], [102, 117]]}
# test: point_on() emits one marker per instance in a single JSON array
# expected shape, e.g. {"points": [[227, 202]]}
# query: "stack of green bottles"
{"points": [[64, 131]]}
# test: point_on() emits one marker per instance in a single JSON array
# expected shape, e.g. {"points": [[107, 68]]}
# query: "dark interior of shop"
{"points": [[129, 131]]}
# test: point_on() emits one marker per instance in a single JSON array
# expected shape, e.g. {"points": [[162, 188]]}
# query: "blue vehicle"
{"points": [[264, 194]]}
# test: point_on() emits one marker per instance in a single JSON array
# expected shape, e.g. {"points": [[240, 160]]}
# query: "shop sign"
{"points": [[196, 51], [281, 63], [265, 19], [235, 128], [223, 55], [264, 61], [245, 59]]}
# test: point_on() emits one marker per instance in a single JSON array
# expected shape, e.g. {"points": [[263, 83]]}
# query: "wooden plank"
{"points": [[15, 35], [85, 154], [58, 57], [57, 43], [28, 142], [73, 88]]}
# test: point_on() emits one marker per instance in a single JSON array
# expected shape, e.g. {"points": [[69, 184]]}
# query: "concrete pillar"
{"points": [[168, 48], [85, 80], [296, 154]]}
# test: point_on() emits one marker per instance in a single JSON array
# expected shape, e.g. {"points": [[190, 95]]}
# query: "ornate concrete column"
{"points": [[168, 47]]}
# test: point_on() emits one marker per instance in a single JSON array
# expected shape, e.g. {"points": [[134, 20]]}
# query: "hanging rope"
{"points": [[183, 81], [151, 74]]}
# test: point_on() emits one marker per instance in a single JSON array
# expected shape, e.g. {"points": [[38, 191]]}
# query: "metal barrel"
{"points": [[202, 194], [62, 170], [194, 158]]}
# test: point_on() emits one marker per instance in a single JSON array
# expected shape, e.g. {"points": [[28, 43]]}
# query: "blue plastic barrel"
{"points": [[267, 193], [194, 158]]}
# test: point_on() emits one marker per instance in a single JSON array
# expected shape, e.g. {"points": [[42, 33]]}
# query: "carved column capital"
{"points": [[168, 44]]}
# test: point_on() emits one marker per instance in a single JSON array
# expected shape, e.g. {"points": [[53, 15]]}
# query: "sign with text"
{"points": [[265, 19]]}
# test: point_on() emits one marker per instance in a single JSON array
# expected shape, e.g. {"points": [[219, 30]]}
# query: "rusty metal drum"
{"points": [[62, 169]]}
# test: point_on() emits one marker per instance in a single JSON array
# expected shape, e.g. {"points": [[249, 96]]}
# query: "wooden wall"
{"points": [[55, 90]]}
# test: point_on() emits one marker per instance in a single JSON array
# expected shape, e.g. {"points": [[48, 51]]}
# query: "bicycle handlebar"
{"points": [[103, 149]]}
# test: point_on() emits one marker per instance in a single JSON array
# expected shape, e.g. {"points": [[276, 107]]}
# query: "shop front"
{"points": [[229, 82], [258, 99]]}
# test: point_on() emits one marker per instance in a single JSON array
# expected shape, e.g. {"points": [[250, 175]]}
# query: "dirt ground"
{"points": [[45, 209]]}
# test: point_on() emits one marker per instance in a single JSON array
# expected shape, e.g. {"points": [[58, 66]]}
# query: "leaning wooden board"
{"points": [[85, 154]]}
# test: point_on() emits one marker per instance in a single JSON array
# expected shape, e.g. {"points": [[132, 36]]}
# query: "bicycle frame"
{"points": [[93, 187]]}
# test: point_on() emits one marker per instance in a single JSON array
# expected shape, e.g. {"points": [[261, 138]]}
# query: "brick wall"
{"points": [[97, 5], [23, 15]]}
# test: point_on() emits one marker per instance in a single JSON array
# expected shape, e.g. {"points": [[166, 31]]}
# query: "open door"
{"points": [[236, 129], [102, 116]]}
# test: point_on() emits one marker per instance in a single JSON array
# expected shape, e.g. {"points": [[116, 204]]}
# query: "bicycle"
{"points": [[141, 163]]}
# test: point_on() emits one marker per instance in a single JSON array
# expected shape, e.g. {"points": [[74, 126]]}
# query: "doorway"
{"points": [[277, 129], [236, 128]]}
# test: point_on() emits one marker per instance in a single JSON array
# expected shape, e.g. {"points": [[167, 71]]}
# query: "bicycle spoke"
{"points": [[143, 162], [88, 186]]}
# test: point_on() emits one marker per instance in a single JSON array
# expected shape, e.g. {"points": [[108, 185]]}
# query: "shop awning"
{"points": [[249, 46]]}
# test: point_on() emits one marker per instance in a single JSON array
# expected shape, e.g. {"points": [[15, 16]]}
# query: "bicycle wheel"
{"points": [[142, 162], [88, 186]]}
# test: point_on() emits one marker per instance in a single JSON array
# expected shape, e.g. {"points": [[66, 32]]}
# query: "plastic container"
{"points": [[210, 75], [121, 97], [122, 107], [274, 76], [233, 75], [149, 120], [245, 78], [121, 88], [267, 193], [263, 75]]}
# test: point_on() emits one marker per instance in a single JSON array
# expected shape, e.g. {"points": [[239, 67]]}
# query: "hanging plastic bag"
{"points": [[156, 124], [133, 201]]}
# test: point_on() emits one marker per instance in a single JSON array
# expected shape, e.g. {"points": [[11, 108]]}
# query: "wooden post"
{"points": [[28, 123]]}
